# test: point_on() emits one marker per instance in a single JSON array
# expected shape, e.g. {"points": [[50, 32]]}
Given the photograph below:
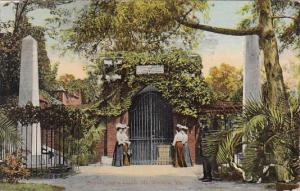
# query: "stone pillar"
{"points": [[251, 72], [251, 83], [29, 92]]}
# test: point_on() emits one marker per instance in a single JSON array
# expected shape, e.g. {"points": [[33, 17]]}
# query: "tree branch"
{"points": [[19, 14], [219, 30], [16, 17], [284, 17]]}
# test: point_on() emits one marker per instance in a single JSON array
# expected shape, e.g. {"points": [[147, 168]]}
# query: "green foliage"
{"points": [[135, 25], [226, 82], [286, 28], [29, 187], [10, 46], [87, 146], [49, 97], [10, 58], [80, 130], [272, 138], [87, 87], [30, 114], [8, 129], [185, 93], [223, 143], [13, 168]]}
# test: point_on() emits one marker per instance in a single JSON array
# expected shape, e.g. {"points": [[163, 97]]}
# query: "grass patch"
{"points": [[29, 187]]}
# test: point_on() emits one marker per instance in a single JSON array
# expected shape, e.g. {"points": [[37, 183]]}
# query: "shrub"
{"points": [[271, 136], [13, 169]]}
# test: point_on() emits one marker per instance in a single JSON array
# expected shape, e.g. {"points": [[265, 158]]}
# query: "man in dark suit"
{"points": [[207, 167]]}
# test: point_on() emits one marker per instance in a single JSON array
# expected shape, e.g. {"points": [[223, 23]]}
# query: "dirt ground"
{"points": [[144, 178]]}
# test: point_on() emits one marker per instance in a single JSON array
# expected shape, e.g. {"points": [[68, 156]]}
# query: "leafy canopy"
{"points": [[134, 25], [12, 33], [286, 15], [186, 93], [87, 87], [10, 58], [226, 82]]}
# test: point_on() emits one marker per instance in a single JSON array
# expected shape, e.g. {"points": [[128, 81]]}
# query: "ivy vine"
{"points": [[181, 84], [54, 115]]}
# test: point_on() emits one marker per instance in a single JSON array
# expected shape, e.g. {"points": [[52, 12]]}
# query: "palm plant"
{"points": [[8, 132], [271, 136], [222, 144]]}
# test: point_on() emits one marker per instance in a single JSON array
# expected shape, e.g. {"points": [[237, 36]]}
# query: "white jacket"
{"points": [[178, 137], [185, 137], [120, 138]]}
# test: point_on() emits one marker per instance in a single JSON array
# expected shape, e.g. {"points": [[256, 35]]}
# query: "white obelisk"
{"points": [[251, 72], [29, 92], [251, 82]]}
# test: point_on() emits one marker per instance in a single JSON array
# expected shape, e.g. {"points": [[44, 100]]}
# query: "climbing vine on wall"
{"points": [[181, 84], [59, 115], [79, 131]]}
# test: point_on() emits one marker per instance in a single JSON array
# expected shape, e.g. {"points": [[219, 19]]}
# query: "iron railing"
{"points": [[55, 152]]}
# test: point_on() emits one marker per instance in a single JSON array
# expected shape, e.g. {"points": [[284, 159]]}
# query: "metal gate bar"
{"points": [[151, 129]]}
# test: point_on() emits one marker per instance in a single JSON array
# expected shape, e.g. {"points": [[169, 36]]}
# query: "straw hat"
{"points": [[184, 127], [179, 126], [120, 126]]}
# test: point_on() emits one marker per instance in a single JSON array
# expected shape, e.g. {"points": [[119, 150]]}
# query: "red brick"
{"points": [[111, 134]]}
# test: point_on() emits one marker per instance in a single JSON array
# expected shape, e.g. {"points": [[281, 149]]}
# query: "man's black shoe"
{"points": [[207, 180], [202, 178], [216, 179]]}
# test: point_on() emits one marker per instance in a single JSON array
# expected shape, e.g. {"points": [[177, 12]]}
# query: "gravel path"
{"points": [[144, 178]]}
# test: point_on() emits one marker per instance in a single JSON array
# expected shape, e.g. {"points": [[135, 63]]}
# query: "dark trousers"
{"points": [[207, 168]]}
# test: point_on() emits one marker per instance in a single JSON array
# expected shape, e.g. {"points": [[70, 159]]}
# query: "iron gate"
{"points": [[151, 129]]}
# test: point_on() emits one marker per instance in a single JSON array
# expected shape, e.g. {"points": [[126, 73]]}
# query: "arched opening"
{"points": [[151, 128]]}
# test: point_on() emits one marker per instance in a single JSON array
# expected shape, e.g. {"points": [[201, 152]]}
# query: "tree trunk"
{"points": [[275, 85], [268, 43]]}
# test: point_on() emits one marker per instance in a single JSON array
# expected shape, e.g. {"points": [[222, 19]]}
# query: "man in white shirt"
{"points": [[178, 136]]}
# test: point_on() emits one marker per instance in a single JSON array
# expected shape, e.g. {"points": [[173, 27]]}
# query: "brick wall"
{"points": [[111, 135], [192, 143], [100, 148], [106, 146], [109, 139]]}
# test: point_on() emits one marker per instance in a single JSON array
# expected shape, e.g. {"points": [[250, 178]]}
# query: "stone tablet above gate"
{"points": [[149, 69]]}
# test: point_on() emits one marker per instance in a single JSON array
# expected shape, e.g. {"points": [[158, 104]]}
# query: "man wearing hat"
{"points": [[118, 156], [186, 149], [178, 144], [207, 167]]}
